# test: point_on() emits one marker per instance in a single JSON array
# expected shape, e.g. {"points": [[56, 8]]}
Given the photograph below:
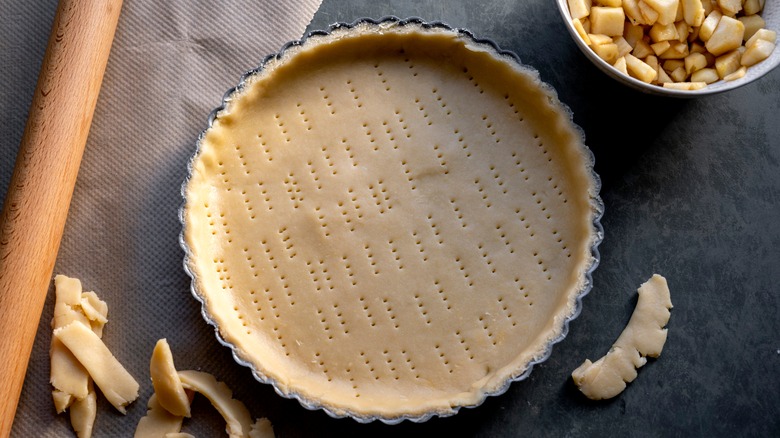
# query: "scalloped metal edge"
{"points": [[596, 204]]}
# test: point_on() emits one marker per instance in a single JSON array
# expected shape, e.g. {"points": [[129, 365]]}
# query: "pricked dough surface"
{"points": [[390, 222]]}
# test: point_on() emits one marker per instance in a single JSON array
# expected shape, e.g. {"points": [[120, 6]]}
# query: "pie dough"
{"points": [[170, 403], [83, 413], [644, 335], [166, 382], [158, 421], [79, 318], [116, 384], [236, 415], [391, 221]]}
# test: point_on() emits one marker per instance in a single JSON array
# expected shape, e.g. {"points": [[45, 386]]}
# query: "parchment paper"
{"points": [[170, 64]]}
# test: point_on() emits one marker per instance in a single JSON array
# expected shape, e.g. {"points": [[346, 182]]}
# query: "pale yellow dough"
{"points": [[164, 418], [391, 221], [644, 335], [262, 429], [235, 413], [157, 422], [72, 383], [167, 385], [83, 413], [116, 384], [68, 376]]}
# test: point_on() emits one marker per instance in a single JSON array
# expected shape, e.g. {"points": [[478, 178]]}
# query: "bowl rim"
{"points": [[563, 8], [597, 206]]}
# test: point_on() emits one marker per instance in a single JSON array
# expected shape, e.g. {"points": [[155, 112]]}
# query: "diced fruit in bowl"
{"points": [[675, 44]]}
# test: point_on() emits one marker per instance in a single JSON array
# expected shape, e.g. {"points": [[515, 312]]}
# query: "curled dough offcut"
{"points": [[158, 422], [235, 413], [167, 386], [644, 335]]}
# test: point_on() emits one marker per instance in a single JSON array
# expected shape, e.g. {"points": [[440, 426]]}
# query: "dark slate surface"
{"points": [[692, 191]]}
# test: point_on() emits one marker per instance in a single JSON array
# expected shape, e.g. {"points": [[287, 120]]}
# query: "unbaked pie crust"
{"points": [[391, 221]]}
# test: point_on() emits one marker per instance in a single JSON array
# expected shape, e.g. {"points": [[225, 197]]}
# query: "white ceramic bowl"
{"points": [[771, 15]]}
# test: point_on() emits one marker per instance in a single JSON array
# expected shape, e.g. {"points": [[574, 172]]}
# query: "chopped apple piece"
{"points": [[728, 63], [676, 51], [673, 64], [634, 15], [751, 7], [623, 47], [727, 36], [693, 12], [666, 9], [679, 74], [762, 34], [661, 47], [642, 49], [687, 86], [663, 32], [709, 25], [649, 14], [608, 52], [730, 7], [620, 64], [706, 75], [607, 21], [757, 52], [581, 30], [708, 6], [597, 39], [652, 61], [693, 36], [632, 33], [753, 23], [682, 31], [579, 8], [740, 73], [694, 62], [639, 69], [662, 76], [697, 48]]}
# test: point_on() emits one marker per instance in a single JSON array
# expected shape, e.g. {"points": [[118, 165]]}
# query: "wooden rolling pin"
{"points": [[41, 187]]}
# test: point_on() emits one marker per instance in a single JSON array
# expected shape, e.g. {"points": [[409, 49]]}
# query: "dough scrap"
{"points": [[174, 392], [644, 335], [262, 429], [67, 376], [158, 422], [117, 385], [83, 413], [165, 379], [62, 400], [96, 310], [235, 413]]}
